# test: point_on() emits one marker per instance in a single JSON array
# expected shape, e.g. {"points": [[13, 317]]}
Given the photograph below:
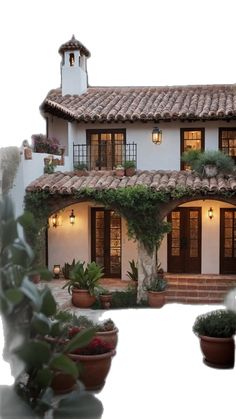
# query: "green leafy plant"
{"points": [[49, 168], [26, 312], [85, 278], [67, 268], [104, 291], [157, 284], [80, 166], [133, 273], [129, 164], [217, 323], [198, 160]]}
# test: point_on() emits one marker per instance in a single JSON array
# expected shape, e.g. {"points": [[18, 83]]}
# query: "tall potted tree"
{"points": [[83, 283]]}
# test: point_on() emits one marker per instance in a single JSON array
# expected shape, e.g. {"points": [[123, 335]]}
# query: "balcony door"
{"points": [[106, 148], [106, 241], [228, 241], [184, 241]]}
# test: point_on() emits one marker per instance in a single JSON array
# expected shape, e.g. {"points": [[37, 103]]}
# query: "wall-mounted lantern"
{"points": [[157, 135], [210, 213], [54, 220], [72, 217], [56, 271]]}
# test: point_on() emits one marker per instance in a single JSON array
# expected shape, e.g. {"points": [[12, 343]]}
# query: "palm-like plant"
{"points": [[85, 278]]}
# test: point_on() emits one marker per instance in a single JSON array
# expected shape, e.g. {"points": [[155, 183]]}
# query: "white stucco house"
{"points": [[102, 127]]}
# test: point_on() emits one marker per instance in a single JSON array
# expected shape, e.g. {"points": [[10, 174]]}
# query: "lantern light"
{"points": [[210, 213], [54, 220], [72, 217], [56, 271], [157, 135]]}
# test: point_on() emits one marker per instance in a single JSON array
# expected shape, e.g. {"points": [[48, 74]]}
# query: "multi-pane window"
{"points": [[191, 139], [106, 148], [227, 141]]}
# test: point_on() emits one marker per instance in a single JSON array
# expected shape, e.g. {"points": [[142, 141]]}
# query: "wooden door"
{"points": [[184, 241], [228, 241], [106, 241]]}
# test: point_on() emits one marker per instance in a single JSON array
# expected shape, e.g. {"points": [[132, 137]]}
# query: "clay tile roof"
{"points": [[113, 104], [68, 183], [72, 45]]}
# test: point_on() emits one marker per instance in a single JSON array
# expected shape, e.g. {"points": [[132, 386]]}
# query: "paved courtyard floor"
{"points": [[158, 370]]}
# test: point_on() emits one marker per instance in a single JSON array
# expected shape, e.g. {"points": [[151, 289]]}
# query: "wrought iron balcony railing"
{"points": [[103, 156]]}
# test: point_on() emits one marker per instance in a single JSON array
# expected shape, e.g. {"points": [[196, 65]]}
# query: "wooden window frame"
{"points": [[220, 139], [182, 130]]}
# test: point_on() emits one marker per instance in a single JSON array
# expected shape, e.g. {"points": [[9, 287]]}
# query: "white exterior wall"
{"points": [[165, 156], [67, 242]]}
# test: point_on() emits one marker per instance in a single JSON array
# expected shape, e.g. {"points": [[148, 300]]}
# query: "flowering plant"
{"points": [[42, 144], [95, 347]]}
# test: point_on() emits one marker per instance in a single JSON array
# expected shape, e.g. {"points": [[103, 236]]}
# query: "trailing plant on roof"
{"points": [[26, 313]]}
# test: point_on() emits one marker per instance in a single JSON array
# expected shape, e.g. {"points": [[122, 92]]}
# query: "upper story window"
{"points": [[227, 141], [191, 139], [106, 148]]}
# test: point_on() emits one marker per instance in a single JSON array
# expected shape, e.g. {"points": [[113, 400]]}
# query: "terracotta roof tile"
{"points": [[145, 103], [68, 183], [72, 45]]}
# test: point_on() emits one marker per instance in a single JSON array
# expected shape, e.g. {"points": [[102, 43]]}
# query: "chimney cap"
{"points": [[72, 45]]}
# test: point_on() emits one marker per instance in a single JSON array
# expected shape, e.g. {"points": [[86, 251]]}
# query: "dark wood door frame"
{"points": [[228, 241], [184, 241]]}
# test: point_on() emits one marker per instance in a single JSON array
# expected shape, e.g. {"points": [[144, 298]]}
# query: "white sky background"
{"points": [[151, 42]]}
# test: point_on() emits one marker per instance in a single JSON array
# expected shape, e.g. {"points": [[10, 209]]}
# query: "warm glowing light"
{"points": [[157, 135], [72, 217], [56, 270], [210, 213], [54, 220]]}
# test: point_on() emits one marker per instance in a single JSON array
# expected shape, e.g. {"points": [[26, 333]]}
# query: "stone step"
{"points": [[200, 286], [194, 300]]}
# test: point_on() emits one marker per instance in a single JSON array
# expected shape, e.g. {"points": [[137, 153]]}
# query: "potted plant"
{"points": [[108, 332], [105, 297], [133, 273], [83, 283], [94, 361], [209, 162], [119, 170], [156, 292], [215, 330], [130, 167], [43, 144], [80, 169]]}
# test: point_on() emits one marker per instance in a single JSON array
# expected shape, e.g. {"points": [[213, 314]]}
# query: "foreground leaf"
{"points": [[34, 353], [80, 340], [63, 363]]}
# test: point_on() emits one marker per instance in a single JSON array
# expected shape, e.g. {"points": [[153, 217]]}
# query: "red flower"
{"points": [[95, 347]]}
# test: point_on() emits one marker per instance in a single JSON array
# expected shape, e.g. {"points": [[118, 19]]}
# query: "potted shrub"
{"points": [[105, 297], [80, 169], [83, 283], [119, 170], [209, 162], [94, 361], [156, 292], [215, 330], [43, 144], [130, 167]]}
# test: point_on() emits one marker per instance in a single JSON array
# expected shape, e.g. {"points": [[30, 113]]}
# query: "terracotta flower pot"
{"points": [[94, 369], [62, 383], [130, 171], [120, 172], [82, 298], [109, 336], [218, 352], [105, 300], [156, 299]]}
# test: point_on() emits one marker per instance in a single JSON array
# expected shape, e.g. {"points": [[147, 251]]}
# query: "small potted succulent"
{"points": [[83, 283], [156, 291], [119, 170], [105, 297], [81, 169], [130, 167], [215, 330]]}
